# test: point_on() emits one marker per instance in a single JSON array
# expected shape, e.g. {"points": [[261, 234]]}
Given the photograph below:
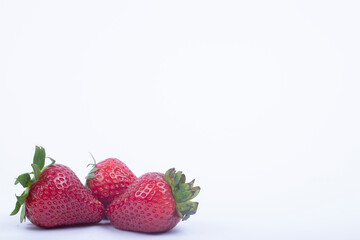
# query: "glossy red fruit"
{"points": [[109, 179], [154, 203], [56, 196]]}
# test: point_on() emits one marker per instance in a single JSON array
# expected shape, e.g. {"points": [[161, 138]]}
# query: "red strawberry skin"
{"points": [[111, 180], [146, 206], [59, 198]]}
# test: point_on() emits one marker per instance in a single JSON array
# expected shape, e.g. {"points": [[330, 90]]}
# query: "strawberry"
{"points": [[154, 203], [109, 179], [55, 196]]}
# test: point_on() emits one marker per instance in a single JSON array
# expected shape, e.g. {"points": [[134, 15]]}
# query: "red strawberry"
{"points": [[55, 196], [109, 179], [154, 203]]}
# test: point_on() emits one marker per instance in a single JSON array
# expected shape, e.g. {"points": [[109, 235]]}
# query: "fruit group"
{"points": [[154, 203], [55, 196], [109, 179]]}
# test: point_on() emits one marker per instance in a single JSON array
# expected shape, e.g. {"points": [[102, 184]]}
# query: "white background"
{"points": [[257, 100]]}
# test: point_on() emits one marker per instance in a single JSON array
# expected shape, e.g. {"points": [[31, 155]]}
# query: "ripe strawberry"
{"points": [[55, 196], [154, 203], [109, 179]]}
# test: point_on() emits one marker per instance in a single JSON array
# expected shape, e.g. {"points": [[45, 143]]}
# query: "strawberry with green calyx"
{"points": [[55, 196], [154, 203], [109, 179]]}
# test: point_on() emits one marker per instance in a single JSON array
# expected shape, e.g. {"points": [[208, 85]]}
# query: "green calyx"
{"points": [[91, 174], [182, 193], [26, 180]]}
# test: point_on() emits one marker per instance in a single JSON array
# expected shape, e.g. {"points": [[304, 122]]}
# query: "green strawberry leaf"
{"points": [[52, 163], [185, 192], [23, 213], [23, 179], [39, 157], [170, 178], [91, 174], [178, 177], [182, 193], [16, 210], [186, 209], [21, 199], [36, 170]]}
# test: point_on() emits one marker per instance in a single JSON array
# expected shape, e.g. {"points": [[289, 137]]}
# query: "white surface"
{"points": [[259, 100]]}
